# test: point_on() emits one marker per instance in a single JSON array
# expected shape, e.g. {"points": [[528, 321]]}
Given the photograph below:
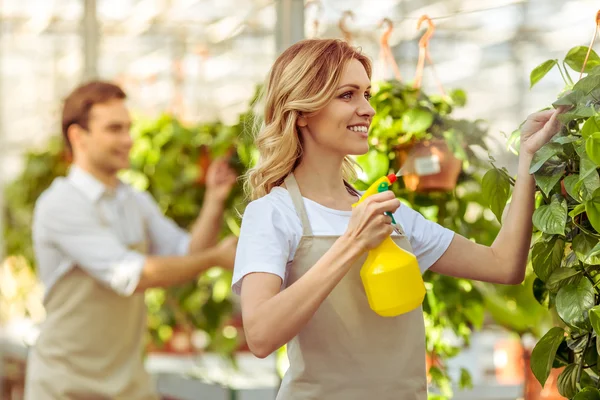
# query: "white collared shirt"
{"points": [[79, 221]]}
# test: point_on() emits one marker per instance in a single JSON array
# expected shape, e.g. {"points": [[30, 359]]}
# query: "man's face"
{"points": [[106, 144]]}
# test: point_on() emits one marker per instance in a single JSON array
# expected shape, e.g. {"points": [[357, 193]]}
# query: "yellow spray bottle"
{"points": [[391, 275]]}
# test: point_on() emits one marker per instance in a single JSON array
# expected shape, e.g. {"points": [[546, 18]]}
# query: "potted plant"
{"points": [[431, 146], [566, 252]]}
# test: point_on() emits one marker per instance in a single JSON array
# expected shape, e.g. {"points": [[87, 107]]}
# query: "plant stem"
{"points": [[568, 75], [563, 75]]}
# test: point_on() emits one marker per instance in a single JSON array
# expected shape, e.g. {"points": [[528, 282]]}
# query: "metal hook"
{"points": [[386, 52], [424, 41], [424, 53], [385, 37], [342, 25]]}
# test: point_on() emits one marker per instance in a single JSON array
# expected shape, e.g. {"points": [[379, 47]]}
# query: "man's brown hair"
{"points": [[77, 105]]}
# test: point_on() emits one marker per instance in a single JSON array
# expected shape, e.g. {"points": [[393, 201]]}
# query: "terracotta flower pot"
{"points": [[431, 166]]}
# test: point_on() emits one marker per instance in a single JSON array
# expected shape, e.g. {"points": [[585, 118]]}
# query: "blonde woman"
{"points": [[302, 245]]}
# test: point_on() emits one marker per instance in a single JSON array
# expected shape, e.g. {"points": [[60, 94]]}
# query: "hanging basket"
{"points": [[432, 166]]}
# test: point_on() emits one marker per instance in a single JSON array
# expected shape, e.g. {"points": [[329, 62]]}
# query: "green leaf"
{"points": [[572, 186], [587, 85], [571, 98], [564, 139], [592, 208], [595, 318], [465, 381], [496, 191], [589, 185], [417, 120], [459, 97], [567, 381], [573, 303], [547, 256], [579, 209], [578, 112], [375, 164], [592, 147], [576, 56], [544, 352], [551, 219], [592, 125], [540, 292], [561, 276], [584, 247], [588, 393], [549, 175], [548, 151], [540, 71]]}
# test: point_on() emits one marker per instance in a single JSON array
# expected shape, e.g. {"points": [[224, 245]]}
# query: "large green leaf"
{"points": [[588, 393], [592, 147], [560, 277], [548, 151], [573, 303], [540, 71], [549, 174], [584, 247], [592, 125], [496, 191], [416, 120], [567, 381], [542, 356], [552, 218], [576, 56], [592, 208], [547, 256]]}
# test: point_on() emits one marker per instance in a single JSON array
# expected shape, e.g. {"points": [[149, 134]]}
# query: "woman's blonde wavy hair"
{"points": [[303, 80]]}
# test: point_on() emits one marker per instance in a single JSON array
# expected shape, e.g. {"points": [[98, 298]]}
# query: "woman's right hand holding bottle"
{"points": [[369, 226]]}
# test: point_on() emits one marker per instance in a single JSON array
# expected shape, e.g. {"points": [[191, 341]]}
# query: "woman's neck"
{"points": [[322, 181]]}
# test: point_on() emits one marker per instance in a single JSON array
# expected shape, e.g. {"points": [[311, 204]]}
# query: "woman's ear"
{"points": [[301, 121]]}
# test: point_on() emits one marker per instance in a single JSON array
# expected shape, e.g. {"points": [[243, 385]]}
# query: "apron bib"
{"points": [[347, 351]]}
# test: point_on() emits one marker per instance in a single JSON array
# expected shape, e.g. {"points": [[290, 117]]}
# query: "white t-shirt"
{"points": [[271, 231]]}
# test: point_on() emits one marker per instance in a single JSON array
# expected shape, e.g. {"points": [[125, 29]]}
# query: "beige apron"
{"points": [[347, 351], [91, 343]]}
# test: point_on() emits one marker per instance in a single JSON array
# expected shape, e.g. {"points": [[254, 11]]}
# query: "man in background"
{"points": [[99, 244]]}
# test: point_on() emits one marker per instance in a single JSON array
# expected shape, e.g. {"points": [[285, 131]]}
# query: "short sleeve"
{"points": [[166, 236], [264, 244], [428, 239], [73, 230]]}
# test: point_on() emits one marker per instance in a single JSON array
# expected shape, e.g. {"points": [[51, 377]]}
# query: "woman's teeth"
{"points": [[359, 129]]}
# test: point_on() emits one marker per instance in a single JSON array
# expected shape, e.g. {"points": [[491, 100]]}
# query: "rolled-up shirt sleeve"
{"points": [[167, 237], [77, 233]]}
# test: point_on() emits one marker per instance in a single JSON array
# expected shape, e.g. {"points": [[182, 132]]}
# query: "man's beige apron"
{"points": [[347, 351], [91, 343]]}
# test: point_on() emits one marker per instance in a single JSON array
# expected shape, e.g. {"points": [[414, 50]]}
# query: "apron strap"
{"points": [[294, 191]]}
